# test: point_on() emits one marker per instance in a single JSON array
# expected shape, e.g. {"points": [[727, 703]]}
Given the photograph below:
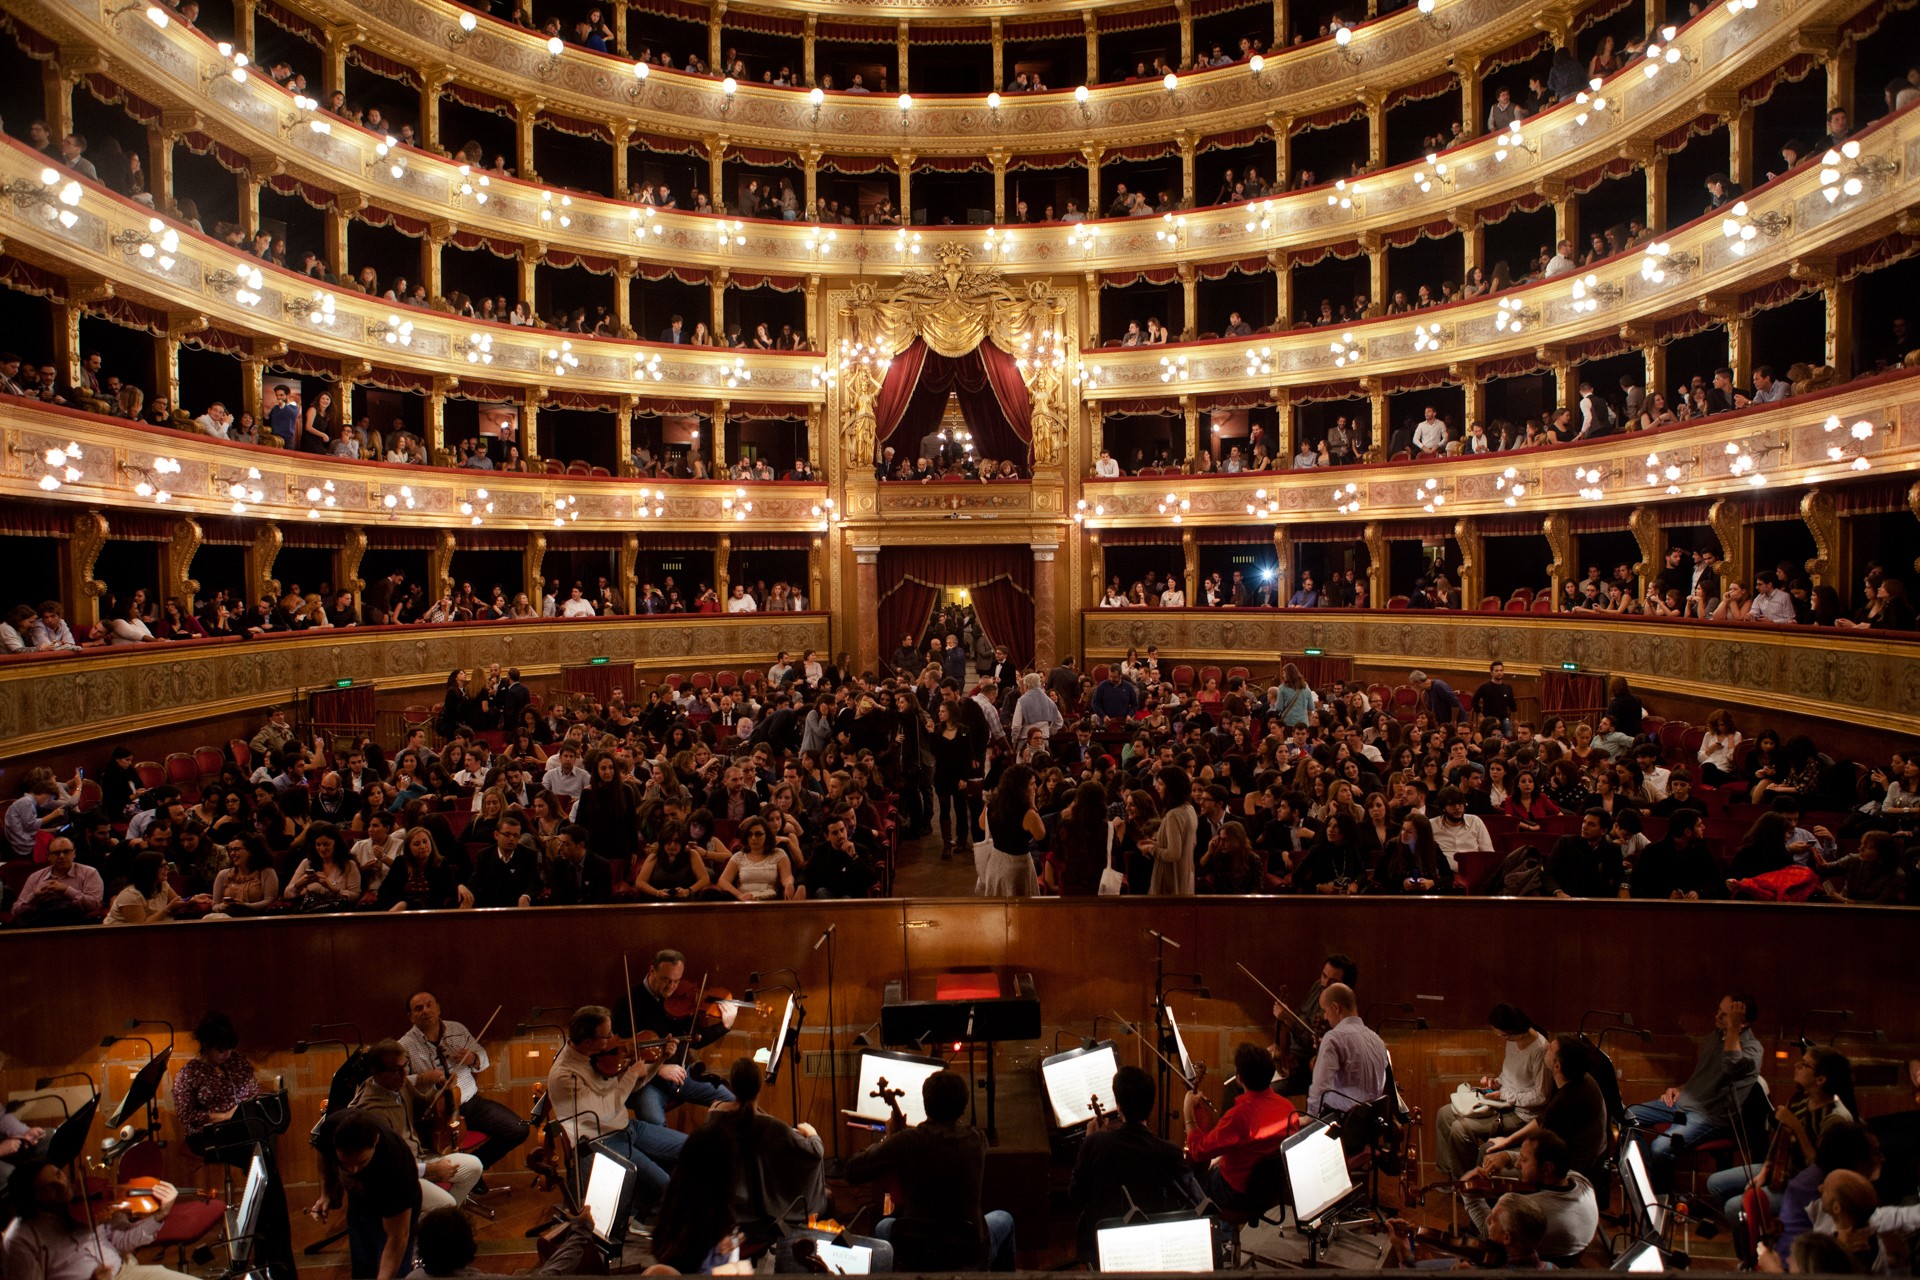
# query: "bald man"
{"points": [[1350, 1069]]}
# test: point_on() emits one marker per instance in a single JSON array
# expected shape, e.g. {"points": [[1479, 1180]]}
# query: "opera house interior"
{"points": [[1419, 499]]}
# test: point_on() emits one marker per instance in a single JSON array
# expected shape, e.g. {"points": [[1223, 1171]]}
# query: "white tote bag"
{"points": [[1112, 880]]}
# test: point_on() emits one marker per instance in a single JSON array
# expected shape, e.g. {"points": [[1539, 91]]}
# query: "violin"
{"points": [[1763, 1223], [137, 1198], [616, 1059], [705, 1010], [439, 1126], [898, 1119]]}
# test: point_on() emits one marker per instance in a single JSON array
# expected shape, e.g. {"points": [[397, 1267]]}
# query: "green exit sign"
{"points": [[1569, 666], [599, 662], [343, 684], [1314, 653]]}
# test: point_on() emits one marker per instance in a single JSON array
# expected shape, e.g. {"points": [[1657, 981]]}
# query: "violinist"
{"points": [[1297, 1046], [43, 1242], [1254, 1126], [1576, 1114], [781, 1169], [436, 1047], [1822, 1097], [589, 1084], [663, 1006], [1129, 1161], [939, 1168], [392, 1101], [1564, 1196]]}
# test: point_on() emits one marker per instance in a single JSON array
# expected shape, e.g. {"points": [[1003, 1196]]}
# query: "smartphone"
{"points": [[80, 774]]}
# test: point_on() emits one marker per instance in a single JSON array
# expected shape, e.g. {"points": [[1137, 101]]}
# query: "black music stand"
{"points": [[64, 1145], [1014, 1015], [142, 1090]]}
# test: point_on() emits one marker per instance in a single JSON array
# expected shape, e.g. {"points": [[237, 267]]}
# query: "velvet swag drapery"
{"points": [[993, 400], [999, 580]]}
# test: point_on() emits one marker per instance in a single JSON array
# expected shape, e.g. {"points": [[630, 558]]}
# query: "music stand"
{"points": [[143, 1089], [1318, 1181], [64, 1145], [1648, 1256], [612, 1181]]}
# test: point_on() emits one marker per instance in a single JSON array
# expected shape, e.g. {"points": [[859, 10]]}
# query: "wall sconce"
{"points": [[1514, 139], [1591, 100], [1855, 440], [646, 366], [1088, 378], [474, 507], [393, 331], [1343, 46], [243, 488], [548, 213], [1661, 56], [735, 374], [235, 70], [317, 308], [303, 114], [909, 244], [158, 16], [1083, 236], [816, 96], [1430, 337], [1431, 19], [475, 348], [640, 73], [1175, 506], [1852, 179], [819, 241], [1173, 231], [728, 87], [1080, 95], [467, 183], [561, 358], [1432, 494], [463, 30], [157, 244], [551, 67], [1259, 363], [1593, 480], [568, 508], [999, 243], [58, 461], [386, 154], [318, 496], [152, 482], [736, 505], [1173, 368], [828, 514], [905, 102], [1346, 350], [1512, 484], [244, 282], [1434, 174], [1344, 195], [1082, 512], [1743, 227], [1589, 291], [1346, 498], [1259, 216], [640, 508], [1662, 258], [993, 100], [56, 199], [1514, 316], [402, 497]]}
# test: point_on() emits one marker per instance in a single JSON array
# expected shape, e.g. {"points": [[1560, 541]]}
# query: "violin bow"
{"points": [[1284, 1006], [472, 1040], [1171, 1065], [693, 1028], [633, 1032]]}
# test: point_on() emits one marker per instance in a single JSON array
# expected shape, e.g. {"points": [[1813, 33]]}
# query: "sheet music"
{"points": [[1647, 1258], [900, 1074], [1317, 1171], [1180, 1047], [604, 1185], [1186, 1245], [846, 1260], [1072, 1081], [1642, 1186]]}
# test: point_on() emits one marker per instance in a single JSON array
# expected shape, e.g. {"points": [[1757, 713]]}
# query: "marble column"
{"points": [[866, 592], [1043, 605]]}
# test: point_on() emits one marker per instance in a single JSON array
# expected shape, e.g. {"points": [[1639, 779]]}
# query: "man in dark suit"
{"points": [[675, 332], [1129, 1160], [578, 875], [1003, 672], [508, 875], [512, 698], [1587, 865]]}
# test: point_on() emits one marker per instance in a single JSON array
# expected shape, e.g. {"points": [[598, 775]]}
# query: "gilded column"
{"points": [[623, 435], [1644, 524], [1474, 391], [723, 568], [1655, 356], [900, 51], [1379, 428], [1840, 79], [1283, 565], [717, 301], [78, 587], [622, 139], [339, 216], [624, 271], [1375, 106], [346, 563], [626, 560], [1739, 348], [1473, 111], [187, 538], [1096, 569], [1190, 415], [716, 169], [866, 588], [431, 81], [1282, 127], [716, 37], [1093, 154], [1189, 563], [531, 255], [1184, 10], [56, 93], [808, 28], [253, 373], [719, 460], [166, 369], [1656, 172], [1832, 547], [1282, 288], [440, 563], [1093, 47], [431, 245], [246, 188], [1187, 147], [1377, 282], [160, 166], [530, 423], [1379, 564], [257, 561], [1839, 302], [1473, 568], [1728, 519], [817, 572], [333, 64], [1566, 219], [903, 161], [813, 329], [1281, 21], [525, 112], [435, 438], [1045, 624], [1740, 147], [533, 567], [1189, 301], [1283, 441], [810, 177], [998, 157], [620, 27], [1560, 570], [999, 39]]}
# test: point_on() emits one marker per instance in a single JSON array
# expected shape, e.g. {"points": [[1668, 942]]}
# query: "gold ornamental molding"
{"points": [[51, 702], [192, 279], [953, 307], [1630, 289], [171, 64], [339, 491], [1852, 677], [1558, 478]]}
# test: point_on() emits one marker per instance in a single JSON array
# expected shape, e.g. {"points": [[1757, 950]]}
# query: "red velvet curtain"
{"points": [[1000, 580], [904, 611], [993, 400]]}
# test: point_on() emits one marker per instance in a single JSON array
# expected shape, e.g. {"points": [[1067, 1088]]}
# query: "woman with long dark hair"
{"points": [[609, 808], [955, 765], [1173, 840], [1412, 863], [1082, 844], [1013, 827], [695, 1232], [457, 710]]}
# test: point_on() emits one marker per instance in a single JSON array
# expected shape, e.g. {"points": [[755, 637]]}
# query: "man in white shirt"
{"points": [[1515, 1096], [436, 1047], [1565, 1197], [983, 696], [1770, 604], [1108, 466], [1459, 831], [1561, 262], [740, 601], [778, 671], [1350, 1069], [577, 605], [566, 778], [1430, 436], [215, 421], [593, 1107], [1173, 597]]}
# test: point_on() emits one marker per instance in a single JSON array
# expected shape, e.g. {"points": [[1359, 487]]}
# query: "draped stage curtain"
{"points": [[1000, 580], [993, 400]]}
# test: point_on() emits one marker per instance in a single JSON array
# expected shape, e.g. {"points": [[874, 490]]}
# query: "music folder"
{"points": [[1072, 1079]]}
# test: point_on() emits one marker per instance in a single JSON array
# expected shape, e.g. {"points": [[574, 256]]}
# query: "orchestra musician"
{"points": [[1350, 1070], [1576, 1114], [391, 1099], [1296, 1046], [1521, 1086], [655, 1011], [1724, 1073], [590, 1083], [208, 1091], [780, 1168], [1128, 1161], [44, 1242], [436, 1046], [1253, 1127], [938, 1168]]}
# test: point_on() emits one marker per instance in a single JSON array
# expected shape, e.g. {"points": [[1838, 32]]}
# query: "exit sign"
{"points": [[1569, 666], [598, 662]]}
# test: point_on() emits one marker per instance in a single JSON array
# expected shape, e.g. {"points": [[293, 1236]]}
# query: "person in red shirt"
{"points": [[1253, 1127]]}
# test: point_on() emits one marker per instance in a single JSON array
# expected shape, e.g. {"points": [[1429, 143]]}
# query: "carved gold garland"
{"points": [[953, 307]]}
